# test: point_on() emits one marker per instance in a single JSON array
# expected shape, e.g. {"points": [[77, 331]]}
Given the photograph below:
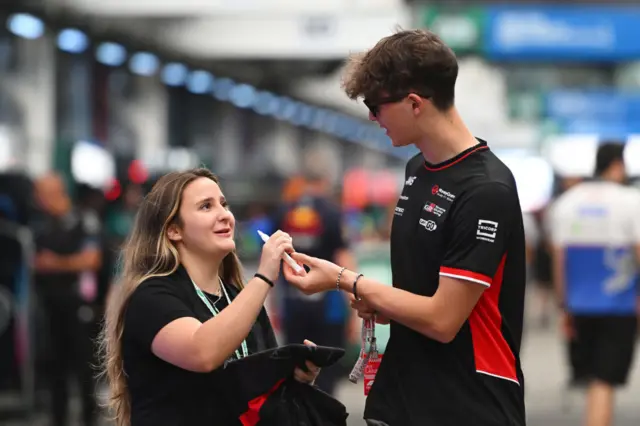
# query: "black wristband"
{"points": [[355, 286], [263, 278]]}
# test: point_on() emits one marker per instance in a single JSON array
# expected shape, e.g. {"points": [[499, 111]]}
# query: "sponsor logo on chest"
{"points": [[439, 192], [429, 225], [433, 208]]}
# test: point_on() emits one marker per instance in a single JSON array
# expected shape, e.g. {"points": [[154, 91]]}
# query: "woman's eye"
{"points": [[205, 206]]}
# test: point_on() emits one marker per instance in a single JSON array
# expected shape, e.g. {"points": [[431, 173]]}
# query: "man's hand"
{"points": [[46, 261], [310, 376], [365, 311], [566, 326], [322, 275]]}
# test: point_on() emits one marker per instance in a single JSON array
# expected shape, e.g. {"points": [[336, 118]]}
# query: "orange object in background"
{"points": [[355, 190], [293, 189], [362, 188], [383, 188]]}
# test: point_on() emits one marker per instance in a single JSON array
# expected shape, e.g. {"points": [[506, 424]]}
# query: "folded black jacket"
{"points": [[262, 391]]}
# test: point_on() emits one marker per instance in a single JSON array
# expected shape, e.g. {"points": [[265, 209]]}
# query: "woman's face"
{"points": [[207, 223]]}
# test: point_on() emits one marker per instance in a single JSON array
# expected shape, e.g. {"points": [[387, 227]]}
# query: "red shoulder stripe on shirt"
{"points": [[466, 275]]}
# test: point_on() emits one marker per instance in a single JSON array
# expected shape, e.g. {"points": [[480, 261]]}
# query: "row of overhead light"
{"points": [[202, 82]]}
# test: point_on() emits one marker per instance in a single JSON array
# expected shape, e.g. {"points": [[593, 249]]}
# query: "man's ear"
{"points": [[417, 103], [174, 233]]}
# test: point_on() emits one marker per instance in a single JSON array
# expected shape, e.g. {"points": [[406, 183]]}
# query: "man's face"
{"points": [[398, 116], [52, 196], [619, 172]]}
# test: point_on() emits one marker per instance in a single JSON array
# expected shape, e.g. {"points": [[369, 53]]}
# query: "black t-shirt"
{"points": [[163, 394], [315, 224], [65, 236], [461, 219]]}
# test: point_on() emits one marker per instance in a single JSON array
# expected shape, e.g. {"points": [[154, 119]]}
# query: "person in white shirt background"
{"points": [[595, 232]]}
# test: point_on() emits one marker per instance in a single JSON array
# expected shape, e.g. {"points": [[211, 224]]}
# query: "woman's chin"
{"points": [[226, 246]]}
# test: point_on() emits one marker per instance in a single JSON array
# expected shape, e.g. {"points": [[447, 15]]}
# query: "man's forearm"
{"points": [[411, 310], [85, 261]]}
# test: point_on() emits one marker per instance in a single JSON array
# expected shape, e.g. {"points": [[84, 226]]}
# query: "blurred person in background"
{"points": [[531, 234], [595, 229], [541, 261], [314, 222], [182, 308], [121, 215], [457, 252], [92, 204], [67, 260], [541, 269]]}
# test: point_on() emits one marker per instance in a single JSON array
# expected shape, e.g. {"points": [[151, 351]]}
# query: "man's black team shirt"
{"points": [[459, 219]]}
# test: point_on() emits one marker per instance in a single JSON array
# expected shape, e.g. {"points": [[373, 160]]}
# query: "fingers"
{"points": [[361, 306], [314, 369], [303, 259], [281, 242], [293, 277], [309, 343], [364, 311], [366, 315], [304, 377], [279, 237], [284, 247]]}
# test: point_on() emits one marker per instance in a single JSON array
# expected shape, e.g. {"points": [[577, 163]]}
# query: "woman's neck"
{"points": [[202, 270]]}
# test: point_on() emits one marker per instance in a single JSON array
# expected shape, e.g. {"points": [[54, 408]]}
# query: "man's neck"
{"points": [[445, 138], [202, 270], [609, 177]]}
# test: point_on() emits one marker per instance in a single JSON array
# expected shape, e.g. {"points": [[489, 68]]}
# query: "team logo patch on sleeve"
{"points": [[487, 230]]}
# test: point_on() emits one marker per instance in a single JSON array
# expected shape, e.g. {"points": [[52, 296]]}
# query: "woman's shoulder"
{"points": [[170, 285]]}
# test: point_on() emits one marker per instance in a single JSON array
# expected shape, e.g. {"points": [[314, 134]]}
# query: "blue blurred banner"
{"points": [[607, 112], [567, 33]]}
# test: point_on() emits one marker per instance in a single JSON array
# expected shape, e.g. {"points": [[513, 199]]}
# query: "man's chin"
{"points": [[398, 143]]}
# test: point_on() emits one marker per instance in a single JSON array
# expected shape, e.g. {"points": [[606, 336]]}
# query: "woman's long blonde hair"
{"points": [[148, 253]]}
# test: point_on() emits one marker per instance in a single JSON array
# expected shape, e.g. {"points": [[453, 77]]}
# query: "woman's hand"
{"points": [[322, 275], [310, 376], [272, 251]]}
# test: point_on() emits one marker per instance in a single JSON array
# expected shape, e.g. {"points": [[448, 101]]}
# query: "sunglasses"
{"points": [[374, 106]]}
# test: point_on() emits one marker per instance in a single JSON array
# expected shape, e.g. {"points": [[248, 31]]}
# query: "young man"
{"points": [[595, 229], [457, 252]]}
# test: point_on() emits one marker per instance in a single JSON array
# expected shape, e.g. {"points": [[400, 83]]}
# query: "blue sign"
{"points": [[566, 33], [603, 105], [608, 112]]}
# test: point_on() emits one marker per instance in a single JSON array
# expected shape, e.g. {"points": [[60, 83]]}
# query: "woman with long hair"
{"points": [[181, 309]]}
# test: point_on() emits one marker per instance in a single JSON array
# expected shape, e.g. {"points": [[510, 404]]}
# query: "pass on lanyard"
{"points": [[369, 358], [214, 312]]}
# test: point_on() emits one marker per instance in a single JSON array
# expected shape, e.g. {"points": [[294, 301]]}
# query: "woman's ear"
{"points": [[174, 233]]}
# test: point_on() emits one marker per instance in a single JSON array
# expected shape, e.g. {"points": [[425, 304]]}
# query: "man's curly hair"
{"points": [[413, 61]]}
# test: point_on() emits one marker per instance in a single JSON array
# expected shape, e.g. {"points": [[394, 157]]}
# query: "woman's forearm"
{"points": [[218, 338]]}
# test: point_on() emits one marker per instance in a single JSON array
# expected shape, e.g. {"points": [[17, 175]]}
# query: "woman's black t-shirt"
{"points": [[161, 393]]}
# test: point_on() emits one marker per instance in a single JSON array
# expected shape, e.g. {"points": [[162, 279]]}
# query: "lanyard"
{"points": [[368, 336], [214, 312]]}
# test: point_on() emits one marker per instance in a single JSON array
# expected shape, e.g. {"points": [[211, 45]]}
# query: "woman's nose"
{"points": [[226, 215]]}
